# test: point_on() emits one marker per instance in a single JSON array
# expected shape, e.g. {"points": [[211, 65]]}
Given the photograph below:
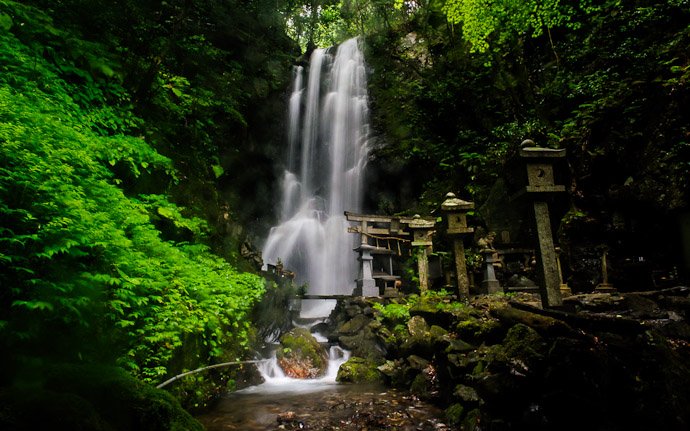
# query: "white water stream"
{"points": [[275, 379], [327, 151]]}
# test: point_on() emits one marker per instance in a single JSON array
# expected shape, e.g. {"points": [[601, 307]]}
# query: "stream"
{"points": [[320, 404]]}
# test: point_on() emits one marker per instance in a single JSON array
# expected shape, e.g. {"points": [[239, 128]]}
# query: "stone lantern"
{"points": [[536, 174], [455, 211], [604, 286], [421, 238]]}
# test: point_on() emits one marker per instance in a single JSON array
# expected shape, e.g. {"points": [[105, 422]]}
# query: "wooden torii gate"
{"points": [[386, 228]]}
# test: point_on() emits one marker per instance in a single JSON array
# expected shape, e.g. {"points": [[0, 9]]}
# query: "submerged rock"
{"points": [[301, 356]]}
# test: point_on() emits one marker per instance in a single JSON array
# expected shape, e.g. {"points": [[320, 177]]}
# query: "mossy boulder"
{"points": [[301, 356], [422, 387], [546, 325], [419, 341], [431, 313], [453, 414], [394, 372], [521, 351], [365, 344], [489, 331], [466, 394], [354, 325], [359, 370]]}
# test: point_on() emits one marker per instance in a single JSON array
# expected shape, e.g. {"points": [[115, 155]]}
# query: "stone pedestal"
{"points": [[490, 283], [366, 285]]}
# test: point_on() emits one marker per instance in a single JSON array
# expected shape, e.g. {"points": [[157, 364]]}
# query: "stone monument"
{"points": [[537, 177], [455, 210], [490, 283], [421, 238]]}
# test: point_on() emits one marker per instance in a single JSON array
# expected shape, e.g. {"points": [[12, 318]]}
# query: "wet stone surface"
{"points": [[324, 407]]}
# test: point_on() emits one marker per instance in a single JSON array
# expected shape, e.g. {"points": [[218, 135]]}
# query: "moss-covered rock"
{"points": [[354, 325], [429, 310], [358, 370], [436, 332], [422, 387], [472, 421], [365, 344], [301, 356], [466, 394], [418, 327], [394, 373], [419, 341], [453, 414], [546, 325], [417, 363], [467, 328]]}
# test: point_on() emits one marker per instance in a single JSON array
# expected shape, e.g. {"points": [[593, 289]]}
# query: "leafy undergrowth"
{"points": [[86, 274]]}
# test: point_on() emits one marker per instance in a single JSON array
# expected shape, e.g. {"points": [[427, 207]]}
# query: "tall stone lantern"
{"points": [[536, 174], [422, 230], [455, 211]]}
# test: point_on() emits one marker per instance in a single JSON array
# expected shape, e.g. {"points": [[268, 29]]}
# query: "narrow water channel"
{"points": [[322, 405]]}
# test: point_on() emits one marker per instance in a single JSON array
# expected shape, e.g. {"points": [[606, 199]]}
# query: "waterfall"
{"points": [[327, 151]]}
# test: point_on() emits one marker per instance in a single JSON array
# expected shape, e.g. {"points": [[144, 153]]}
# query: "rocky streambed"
{"points": [[326, 406]]}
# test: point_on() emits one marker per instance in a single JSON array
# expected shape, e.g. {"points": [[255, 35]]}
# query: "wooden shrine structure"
{"points": [[377, 233]]}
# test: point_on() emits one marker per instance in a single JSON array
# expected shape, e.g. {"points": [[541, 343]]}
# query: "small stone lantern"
{"points": [[539, 184], [421, 237], [604, 286], [455, 211]]}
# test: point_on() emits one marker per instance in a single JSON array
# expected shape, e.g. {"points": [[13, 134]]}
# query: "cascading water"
{"points": [[276, 380], [327, 150]]}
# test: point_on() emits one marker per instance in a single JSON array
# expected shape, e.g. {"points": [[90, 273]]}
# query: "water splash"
{"points": [[275, 379], [327, 149]]}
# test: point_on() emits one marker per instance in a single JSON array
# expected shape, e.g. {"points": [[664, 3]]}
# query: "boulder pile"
{"points": [[606, 362]]}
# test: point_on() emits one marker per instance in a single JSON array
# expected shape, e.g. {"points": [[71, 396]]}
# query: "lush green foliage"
{"points": [[85, 272], [399, 311], [505, 20]]}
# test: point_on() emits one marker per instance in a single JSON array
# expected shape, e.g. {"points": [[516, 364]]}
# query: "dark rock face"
{"points": [[356, 329], [301, 356]]}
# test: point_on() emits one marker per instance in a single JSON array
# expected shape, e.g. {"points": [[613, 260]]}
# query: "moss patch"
{"points": [[358, 370]]}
